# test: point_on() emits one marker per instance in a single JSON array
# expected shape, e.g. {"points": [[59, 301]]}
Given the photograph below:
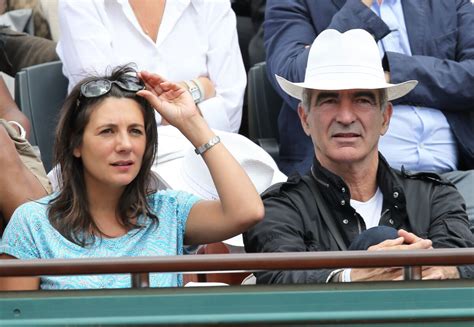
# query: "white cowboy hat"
{"points": [[188, 172], [345, 61]]}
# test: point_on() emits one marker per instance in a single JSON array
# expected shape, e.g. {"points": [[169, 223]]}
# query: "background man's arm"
{"points": [[9, 110]]}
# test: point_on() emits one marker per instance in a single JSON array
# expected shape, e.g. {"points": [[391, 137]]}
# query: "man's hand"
{"points": [[411, 242], [406, 241], [440, 273], [410, 238]]}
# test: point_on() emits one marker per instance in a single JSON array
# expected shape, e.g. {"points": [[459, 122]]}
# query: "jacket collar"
{"points": [[337, 193]]}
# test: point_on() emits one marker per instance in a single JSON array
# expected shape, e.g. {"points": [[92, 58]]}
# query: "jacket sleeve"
{"points": [[449, 223], [445, 84], [288, 32], [290, 29], [281, 230]]}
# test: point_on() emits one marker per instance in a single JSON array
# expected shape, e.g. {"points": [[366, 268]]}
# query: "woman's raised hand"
{"points": [[171, 100]]}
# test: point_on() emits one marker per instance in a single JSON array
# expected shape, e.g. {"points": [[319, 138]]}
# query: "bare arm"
{"points": [[18, 283], [9, 110], [240, 205]]}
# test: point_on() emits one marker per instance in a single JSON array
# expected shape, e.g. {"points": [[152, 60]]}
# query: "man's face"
{"points": [[345, 126]]}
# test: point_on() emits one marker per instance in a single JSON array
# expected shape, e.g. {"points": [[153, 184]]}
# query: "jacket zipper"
{"points": [[358, 223], [386, 211]]}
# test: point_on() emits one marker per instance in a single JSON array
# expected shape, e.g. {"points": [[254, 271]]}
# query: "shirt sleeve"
{"points": [[19, 236], [85, 46], [225, 68], [185, 202], [445, 74]]}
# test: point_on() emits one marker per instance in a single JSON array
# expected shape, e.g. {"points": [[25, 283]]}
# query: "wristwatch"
{"points": [[195, 91], [203, 148]]}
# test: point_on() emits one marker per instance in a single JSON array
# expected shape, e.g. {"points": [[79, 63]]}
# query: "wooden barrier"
{"points": [[437, 303], [237, 262]]}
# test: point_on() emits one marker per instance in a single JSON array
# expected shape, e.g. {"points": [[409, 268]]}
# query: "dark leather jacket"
{"points": [[422, 203]]}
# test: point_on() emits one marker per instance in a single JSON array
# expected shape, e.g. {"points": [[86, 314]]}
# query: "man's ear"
{"points": [[303, 118], [387, 115]]}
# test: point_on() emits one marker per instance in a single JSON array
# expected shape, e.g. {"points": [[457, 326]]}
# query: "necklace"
{"points": [[139, 20], [148, 26]]}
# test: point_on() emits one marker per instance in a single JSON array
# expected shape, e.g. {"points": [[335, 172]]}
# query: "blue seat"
{"points": [[39, 93]]}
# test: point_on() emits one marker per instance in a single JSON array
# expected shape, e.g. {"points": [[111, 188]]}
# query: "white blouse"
{"points": [[195, 38]]}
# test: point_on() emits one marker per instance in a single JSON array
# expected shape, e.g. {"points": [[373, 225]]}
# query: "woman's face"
{"points": [[113, 144]]}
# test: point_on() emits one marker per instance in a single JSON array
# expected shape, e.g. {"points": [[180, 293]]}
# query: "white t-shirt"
{"points": [[195, 38], [370, 210]]}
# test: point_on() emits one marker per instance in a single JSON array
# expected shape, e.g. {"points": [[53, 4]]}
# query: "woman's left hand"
{"points": [[171, 100]]}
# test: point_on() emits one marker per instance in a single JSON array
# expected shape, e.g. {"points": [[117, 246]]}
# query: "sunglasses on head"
{"points": [[99, 87]]}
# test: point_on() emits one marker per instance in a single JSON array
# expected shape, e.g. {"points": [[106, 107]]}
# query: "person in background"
{"points": [[429, 40], [22, 175], [107, 206], [21, 50], [187, 41]]}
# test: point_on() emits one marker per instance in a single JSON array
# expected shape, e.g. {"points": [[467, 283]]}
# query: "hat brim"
{"points": [[170, 174], [394, 91]]}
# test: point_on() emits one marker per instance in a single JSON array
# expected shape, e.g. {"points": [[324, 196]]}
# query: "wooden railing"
{"points": [[140, 267]]}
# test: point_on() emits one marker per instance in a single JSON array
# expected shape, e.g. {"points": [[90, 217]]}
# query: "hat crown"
{"points": [[353, 52], [344, 61]]}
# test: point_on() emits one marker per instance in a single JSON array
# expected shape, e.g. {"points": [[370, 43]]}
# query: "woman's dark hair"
{"points": [[69, 211]]}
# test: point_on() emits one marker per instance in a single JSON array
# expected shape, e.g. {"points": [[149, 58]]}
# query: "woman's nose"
{"points": [[123, 142]]}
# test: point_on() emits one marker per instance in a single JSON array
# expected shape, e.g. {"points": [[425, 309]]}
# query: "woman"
{"points": [[105, 146], [193, 42]]}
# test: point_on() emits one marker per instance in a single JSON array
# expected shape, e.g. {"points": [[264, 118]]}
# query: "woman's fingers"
{"points": [[151, 98]]}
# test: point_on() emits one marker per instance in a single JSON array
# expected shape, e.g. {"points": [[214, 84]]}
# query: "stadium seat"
{"points": [[39, 93], [263, 108]]}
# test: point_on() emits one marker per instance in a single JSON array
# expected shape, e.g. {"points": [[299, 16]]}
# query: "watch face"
{"points": [[194, 90], [196, 95]]}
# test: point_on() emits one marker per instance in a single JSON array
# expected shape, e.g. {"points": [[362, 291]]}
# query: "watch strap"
{"points": [[203, 148]]}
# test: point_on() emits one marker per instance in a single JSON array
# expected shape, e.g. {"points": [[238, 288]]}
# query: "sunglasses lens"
{"points": [[131, 84], [97, 88]]}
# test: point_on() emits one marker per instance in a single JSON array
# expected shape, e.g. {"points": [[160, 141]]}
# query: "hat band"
{"points": [[316, 72]]}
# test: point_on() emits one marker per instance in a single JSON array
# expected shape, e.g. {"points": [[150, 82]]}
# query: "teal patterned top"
{"points": [[29, 235]]}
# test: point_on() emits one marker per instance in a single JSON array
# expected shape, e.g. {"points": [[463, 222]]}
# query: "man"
{"points": [[350, 188], [426, 40], [22, 176]]}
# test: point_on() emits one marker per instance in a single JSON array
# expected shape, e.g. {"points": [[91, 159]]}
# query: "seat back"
{"points": [[264, 104], [39, 93]]}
